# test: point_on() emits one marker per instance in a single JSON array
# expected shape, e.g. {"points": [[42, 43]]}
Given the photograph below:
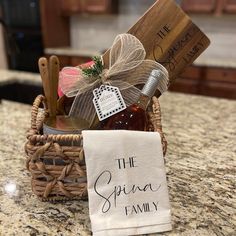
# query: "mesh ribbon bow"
{"points": [[127, 68]]}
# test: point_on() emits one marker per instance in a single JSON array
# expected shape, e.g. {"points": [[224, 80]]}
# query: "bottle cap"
{"points": [[150, 87]]}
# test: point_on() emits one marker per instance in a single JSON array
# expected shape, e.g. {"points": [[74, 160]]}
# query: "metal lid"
{"points": [[150, 87], [64, 125]]}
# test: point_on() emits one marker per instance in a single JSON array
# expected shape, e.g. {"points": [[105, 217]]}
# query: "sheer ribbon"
{"points": [[127, 69]]}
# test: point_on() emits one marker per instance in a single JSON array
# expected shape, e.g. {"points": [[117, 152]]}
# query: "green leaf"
{"points": [[94, 70]]}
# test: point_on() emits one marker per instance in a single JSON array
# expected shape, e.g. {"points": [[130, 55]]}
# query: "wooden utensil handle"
{"points": [[54, 68], [43, 69]]}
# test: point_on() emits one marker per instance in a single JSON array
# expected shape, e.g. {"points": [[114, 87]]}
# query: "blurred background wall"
{"points": [[98, 31]]}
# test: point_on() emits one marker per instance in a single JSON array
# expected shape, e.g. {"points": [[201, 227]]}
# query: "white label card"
{"points": [[107, 101], [127, 186]]}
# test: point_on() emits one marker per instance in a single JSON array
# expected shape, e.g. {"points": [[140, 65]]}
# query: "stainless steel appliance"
{"points": [[22, 31]]}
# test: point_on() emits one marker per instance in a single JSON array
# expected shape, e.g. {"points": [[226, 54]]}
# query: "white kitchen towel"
{"points": [[127, 186]]}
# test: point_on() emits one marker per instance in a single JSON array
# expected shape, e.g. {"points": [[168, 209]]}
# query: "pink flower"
{"points": [[87, 65], [68, 72]]}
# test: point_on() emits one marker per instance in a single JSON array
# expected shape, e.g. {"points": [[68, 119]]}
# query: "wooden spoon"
{"points": [[43, 69], [54, 68]]}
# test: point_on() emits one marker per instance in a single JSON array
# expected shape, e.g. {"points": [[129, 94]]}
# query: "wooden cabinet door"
{"points": [[69, 7], [230, 6], [198, 5], [55, 29], [102, 6], [95, 6], [77, 60]]}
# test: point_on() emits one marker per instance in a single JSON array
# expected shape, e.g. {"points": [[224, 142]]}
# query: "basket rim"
{"points": [[33, 134]]}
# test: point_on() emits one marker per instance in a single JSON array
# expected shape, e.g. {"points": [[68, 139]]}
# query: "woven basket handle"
{"points": [[156, 121], [35, 123]]}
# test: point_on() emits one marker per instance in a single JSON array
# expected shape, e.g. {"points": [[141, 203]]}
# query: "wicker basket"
{"points": [[56, 162]]}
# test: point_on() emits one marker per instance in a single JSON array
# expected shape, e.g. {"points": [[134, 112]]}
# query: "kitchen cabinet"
{"points": [[71, 60], [102, 6], [198, 5], [78, 60], [70, 7], [207, 6], [55, 28], [230, 6], [209, 81]]}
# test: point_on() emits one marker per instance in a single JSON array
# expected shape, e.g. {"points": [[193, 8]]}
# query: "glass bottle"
{"points": [[134, 117]]}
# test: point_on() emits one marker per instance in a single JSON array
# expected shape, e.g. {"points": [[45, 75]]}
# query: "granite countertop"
{"points": [[13, 76], [200, 165]]}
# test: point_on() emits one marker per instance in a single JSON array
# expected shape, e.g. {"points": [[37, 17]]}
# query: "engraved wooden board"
{"points": [[169, 37]]}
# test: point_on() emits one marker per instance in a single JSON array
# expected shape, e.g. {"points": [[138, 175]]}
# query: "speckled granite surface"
{"points": [[11, 76], [201, 162]]}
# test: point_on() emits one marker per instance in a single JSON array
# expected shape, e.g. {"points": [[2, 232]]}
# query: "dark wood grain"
{"points": [[71, 7], [208, 81], [169, 37], [55, 28], [54, 67], [198, 5], [230, 6]]}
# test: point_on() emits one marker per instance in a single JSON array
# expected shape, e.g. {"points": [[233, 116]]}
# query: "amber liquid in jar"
{"points": [[133, 117]]}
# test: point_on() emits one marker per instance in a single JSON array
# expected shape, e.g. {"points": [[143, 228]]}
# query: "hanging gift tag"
{"points": [[107, 101]]}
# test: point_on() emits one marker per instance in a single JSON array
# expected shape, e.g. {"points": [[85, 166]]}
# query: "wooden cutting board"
{"points": [[169, 37]]}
